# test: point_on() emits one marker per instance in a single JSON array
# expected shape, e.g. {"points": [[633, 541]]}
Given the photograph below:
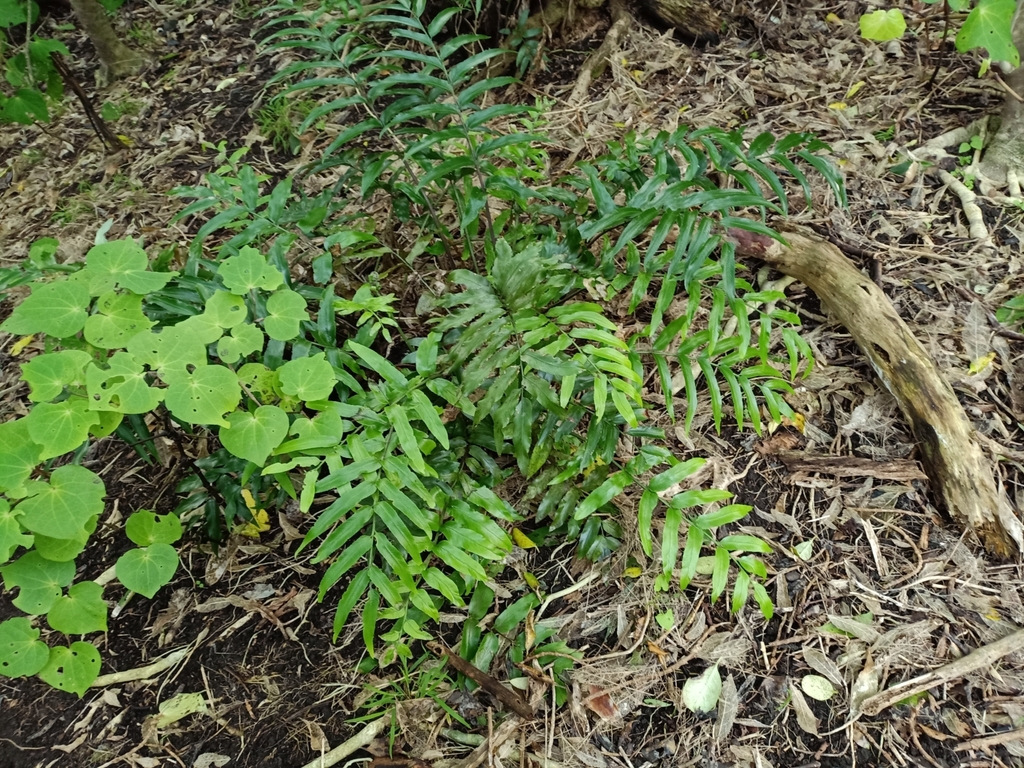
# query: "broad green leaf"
{"points": [[308, 378], [56, 309], [202, 396], [989, 26], [81, 612], [286, 310], [22, 653], [62, 507], [122, 387], [60, 427], [117, 319], [19, 455], [883, 25], [11, 534], [124, 263], [200, 328], [48, 374], [64, 550], [226, 309], [39, 581], [171, 349], [244, 340], [254, 436], [147, 569], [249, 271], [665, 480], [144, 528], [72, 669]]}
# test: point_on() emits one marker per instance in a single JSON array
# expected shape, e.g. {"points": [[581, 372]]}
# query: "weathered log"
{"points": [[962, 478]]}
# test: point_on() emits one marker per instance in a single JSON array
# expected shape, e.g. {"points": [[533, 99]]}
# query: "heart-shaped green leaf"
{"points": [[203, 395], [56, 309], [62, 508], [122, 387], [60, 427], [286, 309], [253, 436], [72, 669], [249, 271], [308, 378], [40, 582], [22, 653], [145, 528], [118, 318], [81, 612], [147, 569], [48, 374]]}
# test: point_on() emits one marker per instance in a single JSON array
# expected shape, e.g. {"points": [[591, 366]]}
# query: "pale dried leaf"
{"points": [[804, 716]]}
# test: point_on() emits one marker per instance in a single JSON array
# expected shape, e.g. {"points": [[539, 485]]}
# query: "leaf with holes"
{"points": [[122, 387], [39, 581], [48, 374], [147, 569], [203, 395], [172, 349], [82, 611], [117, 319], [226, 309], [243, 341], [145, 528], [253, 436], [62, 507], [22, 653], [72, 669]]}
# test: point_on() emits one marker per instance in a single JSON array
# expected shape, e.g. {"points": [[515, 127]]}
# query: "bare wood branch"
{"points": [[962, 477]]}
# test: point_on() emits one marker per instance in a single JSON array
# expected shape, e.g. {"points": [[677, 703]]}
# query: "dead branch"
{"points": [[963, 479], [980, 658]]}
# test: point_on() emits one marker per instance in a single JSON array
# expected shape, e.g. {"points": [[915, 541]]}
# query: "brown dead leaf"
{"points": [[601, 704]]}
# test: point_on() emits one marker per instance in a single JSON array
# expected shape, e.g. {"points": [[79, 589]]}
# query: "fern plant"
{"points": [[396, 439]]}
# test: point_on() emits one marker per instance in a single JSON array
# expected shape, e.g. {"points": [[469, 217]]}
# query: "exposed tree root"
{"points": [[597, 62], [963, 479]]}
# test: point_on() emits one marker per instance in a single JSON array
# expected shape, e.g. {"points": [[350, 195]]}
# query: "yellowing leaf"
{"points": [[838, 105], [833, 19], [261, 520], [981, 363], [531, 581], [853, 89], [19, 346], [522, 540], [632, 573]]}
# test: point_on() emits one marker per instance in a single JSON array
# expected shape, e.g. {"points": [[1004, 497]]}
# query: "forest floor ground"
{"points": [[884, 589]]}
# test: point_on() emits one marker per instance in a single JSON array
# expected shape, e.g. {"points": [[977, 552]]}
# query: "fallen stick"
{"points": [[963, 479], [362, 739], [980, 658]]}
